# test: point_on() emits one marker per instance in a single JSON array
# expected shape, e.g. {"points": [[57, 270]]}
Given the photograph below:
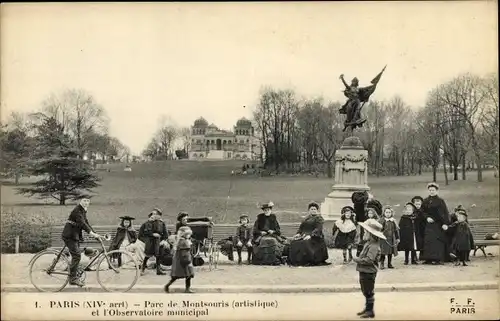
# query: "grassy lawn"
{"points": [[201, 188]]}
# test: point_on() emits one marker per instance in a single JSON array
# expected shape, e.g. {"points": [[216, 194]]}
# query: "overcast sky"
{"points": [[210, 59]]}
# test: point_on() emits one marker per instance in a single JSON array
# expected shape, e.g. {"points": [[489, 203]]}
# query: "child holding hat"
{"points": [[367, 264]]}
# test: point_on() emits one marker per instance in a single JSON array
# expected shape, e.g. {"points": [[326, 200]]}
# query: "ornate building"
{"points": [[210, 142]]}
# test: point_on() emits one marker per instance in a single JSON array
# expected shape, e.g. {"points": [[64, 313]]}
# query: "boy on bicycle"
{"points": [[72, 236]]}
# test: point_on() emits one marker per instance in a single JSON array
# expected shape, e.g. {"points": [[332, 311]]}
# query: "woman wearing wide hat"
{"points": [[436, 242], [267, 240], [308, 247]]}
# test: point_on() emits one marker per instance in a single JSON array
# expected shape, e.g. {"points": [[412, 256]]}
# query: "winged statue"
{"points": [[356, 99]]}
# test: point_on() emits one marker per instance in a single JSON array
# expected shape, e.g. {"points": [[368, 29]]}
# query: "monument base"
{"points": [[351, 175], [338, 198]]}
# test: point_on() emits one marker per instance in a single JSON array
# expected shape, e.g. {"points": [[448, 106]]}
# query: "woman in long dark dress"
{"points": [[267, 240], [308, 248], [437, 221]]}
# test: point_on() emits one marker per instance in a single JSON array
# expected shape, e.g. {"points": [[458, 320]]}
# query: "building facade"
{"points": [[210, 142]]}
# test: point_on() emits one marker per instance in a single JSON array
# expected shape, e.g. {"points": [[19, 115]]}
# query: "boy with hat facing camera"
{"points": [[367, 263], [243, 238]]}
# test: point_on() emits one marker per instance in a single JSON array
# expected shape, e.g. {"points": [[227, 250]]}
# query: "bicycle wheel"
{"points": [[47, 273], [114, 278]]}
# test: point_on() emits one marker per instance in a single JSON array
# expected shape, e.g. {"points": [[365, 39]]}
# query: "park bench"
{"points": [[480, 228], [220, 232]]}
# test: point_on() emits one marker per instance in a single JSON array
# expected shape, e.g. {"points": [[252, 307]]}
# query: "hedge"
{"points": [[33, 231]]}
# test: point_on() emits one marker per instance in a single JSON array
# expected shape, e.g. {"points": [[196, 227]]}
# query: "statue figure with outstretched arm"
{"points": [[356, 98]]}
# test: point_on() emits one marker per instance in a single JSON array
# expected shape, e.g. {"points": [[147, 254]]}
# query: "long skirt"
{"points": [[434, 243], [269, 251], [308, 252]]}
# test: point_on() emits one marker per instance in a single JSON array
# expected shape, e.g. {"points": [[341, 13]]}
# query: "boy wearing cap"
{"points": [[462, 240], [243, 238], [72, 234], [367, 264], [152, 233]]}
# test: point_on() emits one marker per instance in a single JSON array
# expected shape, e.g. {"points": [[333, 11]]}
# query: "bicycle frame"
{"points": [[102, 251]]}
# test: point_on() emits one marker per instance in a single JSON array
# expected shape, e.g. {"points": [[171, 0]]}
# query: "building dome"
{"points": [[212, 126], [200, 122], [243, 122]]}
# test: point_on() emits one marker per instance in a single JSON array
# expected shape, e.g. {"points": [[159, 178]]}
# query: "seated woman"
{"points": [[308, 247], [267, 240]]}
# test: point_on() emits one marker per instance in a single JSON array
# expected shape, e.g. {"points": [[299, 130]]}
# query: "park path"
{"points": [[14, 269]]}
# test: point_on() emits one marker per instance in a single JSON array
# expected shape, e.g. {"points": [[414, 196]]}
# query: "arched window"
{"points": [[248, 140], [224, 142]]}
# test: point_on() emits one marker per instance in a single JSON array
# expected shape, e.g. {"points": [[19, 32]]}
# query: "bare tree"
{"points": [[465, 97], [330, 135], [79, 114], [185, 134]]}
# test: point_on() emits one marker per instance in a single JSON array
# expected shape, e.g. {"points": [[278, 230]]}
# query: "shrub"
{"points": [[33, 231]]}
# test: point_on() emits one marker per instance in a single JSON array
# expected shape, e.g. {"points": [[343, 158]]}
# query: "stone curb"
{"points": [[402, 287]]}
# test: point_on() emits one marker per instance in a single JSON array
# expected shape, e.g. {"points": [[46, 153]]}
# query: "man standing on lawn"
{"points": [[72, 234]]}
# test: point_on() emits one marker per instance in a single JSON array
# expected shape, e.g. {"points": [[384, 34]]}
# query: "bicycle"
{"points": [[105, 262]]}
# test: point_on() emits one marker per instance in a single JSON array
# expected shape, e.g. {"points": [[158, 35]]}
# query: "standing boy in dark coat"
{"points": [[72, 235], [408, 231], [462, 240], [152, 232], [420, 221]]}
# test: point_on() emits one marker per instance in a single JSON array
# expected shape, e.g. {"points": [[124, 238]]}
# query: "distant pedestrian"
{"points": [[367, 262]]}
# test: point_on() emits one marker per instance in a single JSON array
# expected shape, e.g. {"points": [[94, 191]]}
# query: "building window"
{"points": [[248, 140], [242, 141], [229, 155], [224, 142]]}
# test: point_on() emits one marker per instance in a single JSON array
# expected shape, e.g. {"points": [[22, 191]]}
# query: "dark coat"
{"points": [[420, 222], [312, 251], [409, 233], [77, 222], [265, 223], [390, 229], [343, 235], [151, 243], [182, 264], [243, 234], [120, 235], [462, 240], [435, 239]]}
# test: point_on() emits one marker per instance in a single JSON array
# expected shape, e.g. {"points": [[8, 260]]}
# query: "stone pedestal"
{"points": [[351, 175]]}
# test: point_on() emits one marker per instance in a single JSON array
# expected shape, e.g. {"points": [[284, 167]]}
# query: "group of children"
{"points": [[380, 238], [407, 235]]}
